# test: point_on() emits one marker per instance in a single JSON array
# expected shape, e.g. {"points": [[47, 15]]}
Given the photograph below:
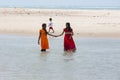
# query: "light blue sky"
{"points": [[53, 3]]}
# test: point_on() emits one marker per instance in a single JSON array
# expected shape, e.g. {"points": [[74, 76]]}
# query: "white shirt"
{"points": [[51, 24]]}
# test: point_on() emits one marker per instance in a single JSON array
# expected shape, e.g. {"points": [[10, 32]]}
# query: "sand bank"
{"points": [[85, 23]]}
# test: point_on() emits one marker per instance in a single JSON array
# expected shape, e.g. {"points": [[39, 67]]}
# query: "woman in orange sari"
{"points": [[44, 40]]}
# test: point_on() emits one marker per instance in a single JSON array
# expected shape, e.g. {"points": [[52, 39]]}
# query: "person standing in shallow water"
{"points": [[43, 39], [51, 25], [69, 44]]}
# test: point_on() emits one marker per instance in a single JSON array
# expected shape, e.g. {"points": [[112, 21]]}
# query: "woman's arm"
{"points": [[61, 34], [56, 35], [72, 33], [39, 37], [51, 35]]}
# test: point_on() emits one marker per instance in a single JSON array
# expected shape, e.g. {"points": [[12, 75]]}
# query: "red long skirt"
{"points": [[69, 43]]}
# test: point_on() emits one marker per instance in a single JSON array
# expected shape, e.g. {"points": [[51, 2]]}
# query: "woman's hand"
{"points": [[70, 37], [55, 36], [38, 42]]}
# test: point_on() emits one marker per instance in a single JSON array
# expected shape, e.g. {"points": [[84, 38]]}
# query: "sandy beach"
{"points": [[85, 23]]}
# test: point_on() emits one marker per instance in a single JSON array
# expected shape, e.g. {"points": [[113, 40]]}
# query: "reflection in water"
{"points": [[43, 55], [68, 56], [68, 53]]}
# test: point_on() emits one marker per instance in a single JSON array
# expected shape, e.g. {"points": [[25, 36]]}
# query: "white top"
{"points": [[51, 24]]}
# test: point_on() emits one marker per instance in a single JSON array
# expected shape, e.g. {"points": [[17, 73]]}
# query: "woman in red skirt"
{"points": [[69, 44]]}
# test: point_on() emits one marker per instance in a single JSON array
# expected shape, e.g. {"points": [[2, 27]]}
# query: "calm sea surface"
{"points": [[95, 59]]}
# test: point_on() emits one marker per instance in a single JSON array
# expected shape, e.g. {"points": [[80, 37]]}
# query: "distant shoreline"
{"points": [[85, 23], [69, 8]]}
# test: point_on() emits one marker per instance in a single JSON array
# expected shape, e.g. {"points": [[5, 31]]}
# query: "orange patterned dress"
{"points": [[44, 40]]}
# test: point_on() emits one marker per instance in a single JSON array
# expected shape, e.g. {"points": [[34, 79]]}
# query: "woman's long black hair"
{"points": [[68, 26], [44, 28]]}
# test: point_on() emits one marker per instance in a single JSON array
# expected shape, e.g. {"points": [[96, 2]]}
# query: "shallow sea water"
{"points": [[95, 59]]}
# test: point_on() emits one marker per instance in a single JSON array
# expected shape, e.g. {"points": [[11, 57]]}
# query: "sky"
{"points": [[63, 3]]}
